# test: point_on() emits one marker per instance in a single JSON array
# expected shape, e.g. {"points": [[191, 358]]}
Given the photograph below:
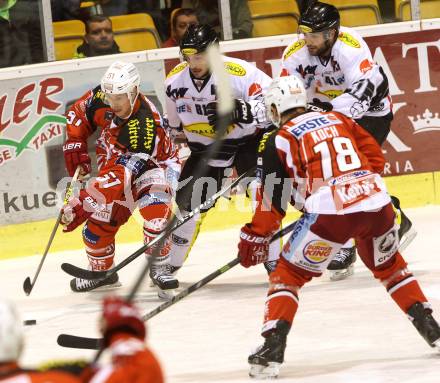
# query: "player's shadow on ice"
{"points": [[362, 279], [292, 370]]}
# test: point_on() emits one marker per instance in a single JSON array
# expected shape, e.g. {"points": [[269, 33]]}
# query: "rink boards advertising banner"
{"points": [[32, 126], [411, 62], [32, 108]]}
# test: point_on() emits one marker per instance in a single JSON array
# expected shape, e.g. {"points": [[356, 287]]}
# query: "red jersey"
{"points": [[90, 113], [131, 362], [330, 163], [139, 136]]}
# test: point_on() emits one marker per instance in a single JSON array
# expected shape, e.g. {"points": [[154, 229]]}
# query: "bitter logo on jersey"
{"points": [[294, 48], [234, 69], [349, 40], [177, 69]]}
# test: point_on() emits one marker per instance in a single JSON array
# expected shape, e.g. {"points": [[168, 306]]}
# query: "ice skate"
{"points": [[265, 362], [80, 285], [406, 231], [163, 278], [422, 319], [342, 265]]}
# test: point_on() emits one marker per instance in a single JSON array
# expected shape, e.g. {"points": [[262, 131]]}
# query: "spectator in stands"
{"points": [[99, 39], [180, 20], [208, 13], [20, 33]]}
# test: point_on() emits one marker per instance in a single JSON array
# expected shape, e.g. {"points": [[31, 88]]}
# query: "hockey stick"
{"points": [[73, 341], [89, 274], [27, 284]]}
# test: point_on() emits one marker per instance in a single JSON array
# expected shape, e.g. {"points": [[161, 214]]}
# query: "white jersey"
{"points": [[186, 100], [350, 80]]}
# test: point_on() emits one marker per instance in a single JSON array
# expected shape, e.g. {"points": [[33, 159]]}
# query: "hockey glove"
{"points": [[77, 211], [120, 316], [242, 112], [319, 106], [253, 248], [75, 153]]}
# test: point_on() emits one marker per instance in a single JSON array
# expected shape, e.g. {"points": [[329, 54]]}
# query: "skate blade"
{"points": [[108, 287], [264, 372], [165, 295], [406, 239], [339, 275]]}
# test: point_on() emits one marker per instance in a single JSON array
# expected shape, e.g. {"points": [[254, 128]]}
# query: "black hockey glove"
{"points": [[319, 106], [211, 112], [241, 114]]}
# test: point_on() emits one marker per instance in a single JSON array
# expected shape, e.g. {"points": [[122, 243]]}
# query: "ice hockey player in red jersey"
{"points": [[339, 73], [137, 166], [331, 166], [124, 335], [11, 346]]}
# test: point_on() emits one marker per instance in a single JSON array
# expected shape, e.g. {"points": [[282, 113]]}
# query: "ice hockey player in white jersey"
{"points": [[191, 106], [339, 74]]}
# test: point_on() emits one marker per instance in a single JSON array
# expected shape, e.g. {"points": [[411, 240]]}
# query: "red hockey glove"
{"points": [[253, 248], [77, 211], [75, 153], [118, 315]]}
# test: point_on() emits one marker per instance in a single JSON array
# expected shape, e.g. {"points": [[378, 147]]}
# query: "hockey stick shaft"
{"points": [[27, 284], [208, 278], [73, 341], [89, 274]]}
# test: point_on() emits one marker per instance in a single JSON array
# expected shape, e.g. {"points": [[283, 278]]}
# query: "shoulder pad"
{"points": [[177, 69], [296, 46], [234, 68], [95, 102], [349, 40], [98, 94]]}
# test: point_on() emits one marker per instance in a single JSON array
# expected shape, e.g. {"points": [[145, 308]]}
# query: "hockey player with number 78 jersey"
{"points": [[343, 197]]}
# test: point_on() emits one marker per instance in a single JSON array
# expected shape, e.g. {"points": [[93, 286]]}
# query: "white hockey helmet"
{"points": [[284, 93], [121, 78], [11, 332]]}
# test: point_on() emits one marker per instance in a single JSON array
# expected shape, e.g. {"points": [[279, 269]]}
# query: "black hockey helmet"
{"points": [[197, 39], [319, 17]]}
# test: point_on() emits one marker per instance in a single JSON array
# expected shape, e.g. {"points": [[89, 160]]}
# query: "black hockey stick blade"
{"points": [[72, 341], [27, 284], [89, 274]]}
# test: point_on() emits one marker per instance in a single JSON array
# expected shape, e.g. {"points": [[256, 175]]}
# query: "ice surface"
{"points": [[346, 331]]}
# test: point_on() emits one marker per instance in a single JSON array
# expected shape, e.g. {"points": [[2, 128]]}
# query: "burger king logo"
{"points": [[317, 251]]}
